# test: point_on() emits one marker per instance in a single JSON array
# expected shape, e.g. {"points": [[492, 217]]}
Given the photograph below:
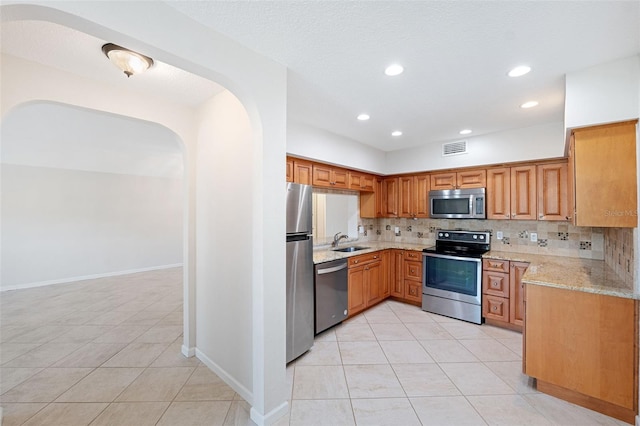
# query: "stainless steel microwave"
{"points": [[458, 204]]}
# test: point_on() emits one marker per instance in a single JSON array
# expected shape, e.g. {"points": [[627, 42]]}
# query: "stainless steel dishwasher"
{"points": [[331, 294]]}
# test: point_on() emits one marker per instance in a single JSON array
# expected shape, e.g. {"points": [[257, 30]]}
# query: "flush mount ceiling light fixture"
{"points": [[363, 117], [396, 133], [465, 131], [127, 60], [529, 104]]}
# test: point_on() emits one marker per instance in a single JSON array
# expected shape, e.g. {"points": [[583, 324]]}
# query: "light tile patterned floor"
{"points": [[107, 352]]}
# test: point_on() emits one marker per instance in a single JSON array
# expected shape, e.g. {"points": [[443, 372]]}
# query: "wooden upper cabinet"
{"points": [[459, 180], [302, 172], [333, 177], [443, 181], [552, 192], [499, 193], [604, 176], [361, 181], [390, 187], [413, 196], [523, 193], [289, 169]]}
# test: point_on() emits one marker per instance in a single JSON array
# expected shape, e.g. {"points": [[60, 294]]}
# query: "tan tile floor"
{"points": [[107, 352]]}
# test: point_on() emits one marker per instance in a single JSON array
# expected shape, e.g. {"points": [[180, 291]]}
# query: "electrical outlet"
{"points": [[499, 235], [534, 237]]}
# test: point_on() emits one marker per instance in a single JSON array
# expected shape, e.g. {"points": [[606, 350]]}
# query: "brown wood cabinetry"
{"points": [[328, 176], [553, 203], [603, 180], [289, 169], [368, 281], [458, 180], [512, 193], [390, 197], [406, 282], [503, 293], [582, 347], [303, 172], [413, 196], [361, 181]]}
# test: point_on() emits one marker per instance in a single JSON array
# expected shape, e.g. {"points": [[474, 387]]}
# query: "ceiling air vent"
{"points": [[454, 148]]}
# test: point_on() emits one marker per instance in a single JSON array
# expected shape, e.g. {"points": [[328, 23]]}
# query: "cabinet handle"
{"points": [[375, 257], [366, 269], [541, 216], [568, 217], [495, 308], [513, 215], [413, 271], [355, 261], [507, 216]]}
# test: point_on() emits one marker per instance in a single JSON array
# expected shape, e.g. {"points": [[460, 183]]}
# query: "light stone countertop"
{"points": [[571, 273], [326, 254]]}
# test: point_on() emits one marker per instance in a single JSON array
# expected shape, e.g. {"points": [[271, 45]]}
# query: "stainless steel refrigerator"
{"points": [[300, 293]]}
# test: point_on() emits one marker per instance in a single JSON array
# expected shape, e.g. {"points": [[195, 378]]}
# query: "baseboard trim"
{"points": [[271, 417], [226, 377], [87, 277], [188, 352]]}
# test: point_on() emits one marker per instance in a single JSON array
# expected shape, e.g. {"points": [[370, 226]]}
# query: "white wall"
{"points": [[63, 225], [604, 93], [531, 143], [260, 84], [309, 142], [223, 278]]}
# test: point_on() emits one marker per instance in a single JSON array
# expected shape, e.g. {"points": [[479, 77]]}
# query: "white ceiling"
{"points": [[455, 54]]}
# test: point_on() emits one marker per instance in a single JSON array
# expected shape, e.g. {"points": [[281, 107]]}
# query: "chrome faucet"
{"points": [[336, 239]]}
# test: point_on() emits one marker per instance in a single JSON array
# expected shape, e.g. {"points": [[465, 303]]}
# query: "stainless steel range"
{"points": [[452, 274]]}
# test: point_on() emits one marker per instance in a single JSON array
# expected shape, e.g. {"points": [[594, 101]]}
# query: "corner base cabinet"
{"points": [[583, 348]]}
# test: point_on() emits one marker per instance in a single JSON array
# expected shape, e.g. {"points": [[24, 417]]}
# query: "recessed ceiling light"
{"points": [[363, 117], [519, 71], [396, 133], [529, 104], [465, 131], [394, 69]]}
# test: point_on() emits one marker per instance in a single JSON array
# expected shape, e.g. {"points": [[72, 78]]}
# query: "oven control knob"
{"points": [[440, 234], [475, 237], [482, 237], [446, 235]]}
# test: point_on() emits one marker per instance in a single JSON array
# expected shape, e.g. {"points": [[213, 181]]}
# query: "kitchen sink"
{"points": [[350, 249]]}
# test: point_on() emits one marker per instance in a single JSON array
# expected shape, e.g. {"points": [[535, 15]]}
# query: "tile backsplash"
{"points": [[618, 252], [554, 238]]}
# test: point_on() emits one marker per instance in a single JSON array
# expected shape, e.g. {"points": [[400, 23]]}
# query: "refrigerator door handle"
{"points": [[330, 270]]}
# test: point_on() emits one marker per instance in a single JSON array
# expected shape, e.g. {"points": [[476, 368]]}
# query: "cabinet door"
{"points": [[516, 292], [390, 197], [421, 185], [356, 294], [405, 196], [523, 193], [413, 291], [499, 193], [495, 283], [321, 175], [605, 176], [379, 197], [355, 180], [373, 282], [303, 172], [495, 308], [412, 270], [397, 282], [552, 192], [443, 181], [289, 170], [571, 187], [367, 182], [471, 179], [385, 273], [340, 178]]}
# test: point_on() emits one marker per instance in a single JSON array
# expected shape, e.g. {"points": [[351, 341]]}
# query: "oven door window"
{"points": [[455, 275]]}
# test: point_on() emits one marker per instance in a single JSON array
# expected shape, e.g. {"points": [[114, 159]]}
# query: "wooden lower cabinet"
{"points": [[368, 280], [406, 280], [503, 293], [582, 347]]}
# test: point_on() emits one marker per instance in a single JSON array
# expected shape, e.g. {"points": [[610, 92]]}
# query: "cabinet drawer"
{"points": [[413, 291], [495, 265], [364, 258], [496, 308], [413, 255], [413, 271], [495, 283]]}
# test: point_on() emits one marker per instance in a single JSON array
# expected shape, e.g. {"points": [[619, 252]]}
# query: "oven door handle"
{"points": [[445, 256]]}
